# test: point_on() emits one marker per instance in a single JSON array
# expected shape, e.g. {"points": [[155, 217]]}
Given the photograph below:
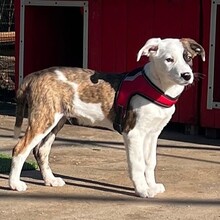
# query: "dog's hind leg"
{"points": [[34, 134], [41, 153]]}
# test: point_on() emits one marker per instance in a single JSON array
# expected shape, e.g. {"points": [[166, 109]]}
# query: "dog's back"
{"points": [[74, 92]]}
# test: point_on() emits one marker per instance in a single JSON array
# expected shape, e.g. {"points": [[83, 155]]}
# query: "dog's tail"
{"points": [[21, 97]]}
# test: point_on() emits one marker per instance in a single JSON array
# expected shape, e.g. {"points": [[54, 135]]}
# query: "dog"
{"points": [[55, 94]]}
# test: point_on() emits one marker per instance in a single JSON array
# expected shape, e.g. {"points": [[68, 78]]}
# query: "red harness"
{"points": [[137, 83]]}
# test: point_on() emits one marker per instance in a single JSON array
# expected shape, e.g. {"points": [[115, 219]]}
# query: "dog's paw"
{"points": [[146, 193], [155, 189], [149, 192], [142, 190], [56, 181], [18, 185]]}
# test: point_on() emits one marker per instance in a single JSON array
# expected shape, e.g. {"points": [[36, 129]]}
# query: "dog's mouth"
{"points": [[185, 82]]}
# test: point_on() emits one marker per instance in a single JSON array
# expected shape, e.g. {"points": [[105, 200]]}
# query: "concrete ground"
{"points": [[93, 164]]}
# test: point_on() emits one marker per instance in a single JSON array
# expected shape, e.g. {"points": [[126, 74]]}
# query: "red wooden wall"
{"points": [[53, 37], [117, 30], [210, 118]]}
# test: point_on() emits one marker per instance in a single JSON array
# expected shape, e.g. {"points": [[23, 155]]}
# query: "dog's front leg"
{"points": [[150, 145], [136, 163]]}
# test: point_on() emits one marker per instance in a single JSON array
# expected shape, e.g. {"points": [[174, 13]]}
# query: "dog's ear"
{"points": [[193, 47], [150, 48]]}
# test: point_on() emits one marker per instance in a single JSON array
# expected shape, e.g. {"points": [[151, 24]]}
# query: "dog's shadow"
{"points": [[77, 182]]}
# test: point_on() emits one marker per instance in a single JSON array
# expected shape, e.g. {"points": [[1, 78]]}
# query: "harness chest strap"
{"points": [[137, 83]]}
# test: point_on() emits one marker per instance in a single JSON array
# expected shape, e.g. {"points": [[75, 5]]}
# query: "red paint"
{"points": [[117, 30], [210, 118]]}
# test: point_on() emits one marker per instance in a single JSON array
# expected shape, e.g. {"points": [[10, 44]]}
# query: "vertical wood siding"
{"points": [[210, 118], [118, 29]]}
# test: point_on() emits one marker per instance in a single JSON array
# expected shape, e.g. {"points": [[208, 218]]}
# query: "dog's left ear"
{"points": [[193, 47], [150, 48]]}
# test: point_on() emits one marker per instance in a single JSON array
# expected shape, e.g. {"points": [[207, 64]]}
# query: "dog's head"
{"points": [[172, 58]]}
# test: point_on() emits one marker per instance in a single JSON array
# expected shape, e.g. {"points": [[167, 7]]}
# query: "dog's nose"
{"points": [[186, 76]]}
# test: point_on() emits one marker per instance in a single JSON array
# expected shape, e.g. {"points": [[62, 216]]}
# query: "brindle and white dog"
{"points": [[58, 93]]}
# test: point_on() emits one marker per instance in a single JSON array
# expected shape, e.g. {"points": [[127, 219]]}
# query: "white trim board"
{"points": [[211, 72], [51, 3]]}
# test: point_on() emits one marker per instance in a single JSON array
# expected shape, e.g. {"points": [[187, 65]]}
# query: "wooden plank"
{"points": [[95, 35], [189, 103], [139, 29], [7, 37], [207, 117], [217, 58], [110, 34], [121, 37]]}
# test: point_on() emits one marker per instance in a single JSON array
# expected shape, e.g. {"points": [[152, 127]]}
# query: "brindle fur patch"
{"points": [[52, 94], [101, 88], [130, 121], [52, 91], [193, 48]]}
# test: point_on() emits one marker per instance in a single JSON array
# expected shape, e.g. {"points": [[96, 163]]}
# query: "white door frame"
{"points": [[52, 3], [211, 71]]}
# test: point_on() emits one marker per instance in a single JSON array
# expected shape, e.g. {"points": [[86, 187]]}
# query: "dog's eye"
{"points": [[170, 60], [188, 58]]}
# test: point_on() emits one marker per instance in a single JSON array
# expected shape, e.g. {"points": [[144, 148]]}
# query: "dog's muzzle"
{"points": [[186, 76]]}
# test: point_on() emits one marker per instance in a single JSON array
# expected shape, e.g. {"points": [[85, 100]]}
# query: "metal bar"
{"points": [[212, 54], [85, 36], [216, 105], [21, 43], [54, 3]]}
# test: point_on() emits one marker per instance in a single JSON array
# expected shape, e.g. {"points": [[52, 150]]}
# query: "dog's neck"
{"points": [[168, 87]]}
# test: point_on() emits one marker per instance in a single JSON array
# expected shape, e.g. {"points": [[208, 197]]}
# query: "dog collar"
{"points": [[137, 83]]}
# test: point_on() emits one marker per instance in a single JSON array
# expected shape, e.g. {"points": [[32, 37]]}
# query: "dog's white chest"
{"points": [[150, 117]]}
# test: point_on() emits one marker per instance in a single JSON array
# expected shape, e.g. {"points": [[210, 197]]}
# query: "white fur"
{"points": [[165, 70], [141, 145], [166, 75], [49, 178], [91, 111], [141, 141], [14, 177]]}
